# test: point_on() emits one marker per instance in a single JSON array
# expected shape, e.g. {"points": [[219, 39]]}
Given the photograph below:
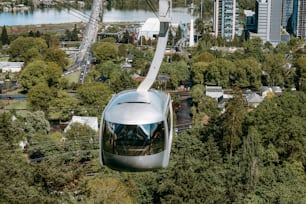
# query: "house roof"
{"points": [[11, 66], [90, 121], [149, 28], [214, 91], [254, 98], [151, 24]]}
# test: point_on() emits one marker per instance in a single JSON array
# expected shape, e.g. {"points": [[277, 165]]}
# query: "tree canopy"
{"points": [[27, 49], [40, 72]]}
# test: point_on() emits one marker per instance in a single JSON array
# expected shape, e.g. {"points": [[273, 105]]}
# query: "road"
{"points": [[183, 115], [82, 61]]}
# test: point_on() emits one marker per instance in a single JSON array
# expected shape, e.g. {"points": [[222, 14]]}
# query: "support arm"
{"points": [[164, 19]]}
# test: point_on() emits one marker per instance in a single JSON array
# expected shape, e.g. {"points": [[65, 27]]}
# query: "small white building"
{"points": [[253, 99], [214, 92], [149, 29], [90, 121], [265, 90], [11, 66]]}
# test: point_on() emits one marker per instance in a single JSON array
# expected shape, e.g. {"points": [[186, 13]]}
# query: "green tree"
{"points": [[280, 122], [15, 171], [275, 67], [282, 48], [40, 72], [195, 173], [104, 51], [67, 36], [79, 137], [178, 72], [206, 41], [301, 74], [8, 136], [57, 56], [39, 96], [253, 48], [126, 37], [35, 123], [62, 106], [178, 34], [198, 71], [4, 36], [92, 76], [74, 33], [17, 175], [120, 81], [94, 96], [122, 50], [170, 37], [204, 57], [108, 190], [107, 68], [232, 124], [247, 73], [218, 73], [27, 49], [197, 93]]}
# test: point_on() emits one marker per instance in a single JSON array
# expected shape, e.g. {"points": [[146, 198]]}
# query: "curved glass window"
{"points": [[133, 140]]}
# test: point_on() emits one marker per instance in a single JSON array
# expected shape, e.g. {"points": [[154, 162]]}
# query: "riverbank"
{"points": [[58, 28], [43, 28]]}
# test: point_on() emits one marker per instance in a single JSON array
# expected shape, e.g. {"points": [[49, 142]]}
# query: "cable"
{"points": [[86, 16], [64, 154], [151, 5]]}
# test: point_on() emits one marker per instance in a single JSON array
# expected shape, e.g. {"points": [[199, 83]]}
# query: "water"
{"points": [[55, 16]]}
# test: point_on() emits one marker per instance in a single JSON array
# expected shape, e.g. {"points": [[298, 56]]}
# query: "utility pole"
{"points": [[191, 33], [201, 14]]}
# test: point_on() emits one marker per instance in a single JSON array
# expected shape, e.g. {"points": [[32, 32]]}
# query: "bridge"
{"points": [[81, 61]]}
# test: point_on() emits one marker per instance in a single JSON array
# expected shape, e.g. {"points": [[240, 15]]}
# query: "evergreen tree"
{"points": [[4, 36], [178, 34], [233, 119], [74, 34], [126, 37]]}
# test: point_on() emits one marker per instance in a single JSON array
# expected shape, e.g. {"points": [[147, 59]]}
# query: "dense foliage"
{"points": [[235, 156], [264, 165]]}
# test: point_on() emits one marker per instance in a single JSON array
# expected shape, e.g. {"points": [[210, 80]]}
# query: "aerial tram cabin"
{"points": [[137, 131], [137, 125]]}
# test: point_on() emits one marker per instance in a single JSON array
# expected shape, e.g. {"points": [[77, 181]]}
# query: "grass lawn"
{"points": [[4, 58], [73, 77], [16, 104], [14, 92]]}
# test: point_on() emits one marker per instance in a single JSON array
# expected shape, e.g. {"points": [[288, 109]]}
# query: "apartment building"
{"points": [[226, 18]]}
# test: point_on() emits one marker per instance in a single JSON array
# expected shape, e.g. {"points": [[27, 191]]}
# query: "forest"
{"points": [[238, 157], [241, 155]]}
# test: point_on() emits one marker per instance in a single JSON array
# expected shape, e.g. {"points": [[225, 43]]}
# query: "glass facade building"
{"points": [[297, 22], [268, 24], [286, 11], [226, 18]]}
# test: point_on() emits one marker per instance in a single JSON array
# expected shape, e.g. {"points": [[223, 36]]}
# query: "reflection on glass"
{"points": [[133, 140]]}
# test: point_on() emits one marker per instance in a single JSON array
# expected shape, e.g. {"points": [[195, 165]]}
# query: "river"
{"points": [[55, 16]]}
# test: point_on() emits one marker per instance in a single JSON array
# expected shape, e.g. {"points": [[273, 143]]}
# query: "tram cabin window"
{"points": [[134, 140]]}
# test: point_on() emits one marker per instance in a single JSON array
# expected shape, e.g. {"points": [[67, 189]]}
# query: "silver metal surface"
{"points": [[139, 107], [133, 107], [134, 163], [165, 19]]}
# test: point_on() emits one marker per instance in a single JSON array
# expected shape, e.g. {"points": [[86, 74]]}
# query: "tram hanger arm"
{"points": [[165, 19]]}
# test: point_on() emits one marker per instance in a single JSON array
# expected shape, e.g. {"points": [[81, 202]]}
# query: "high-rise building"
{"points": [[301, 18], [286, 11], [268, 15], [297, 22], [226, 18]]}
